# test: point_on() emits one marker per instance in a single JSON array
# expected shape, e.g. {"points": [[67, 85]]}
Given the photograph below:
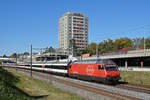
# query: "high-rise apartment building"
{"points": [[73, 31]]}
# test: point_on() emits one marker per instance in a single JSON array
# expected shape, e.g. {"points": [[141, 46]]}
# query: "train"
{"points": [[99, 70]]}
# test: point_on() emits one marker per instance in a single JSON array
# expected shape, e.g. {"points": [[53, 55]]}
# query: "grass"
{"points": [[135, 77], [0, 63], [28, 88]]}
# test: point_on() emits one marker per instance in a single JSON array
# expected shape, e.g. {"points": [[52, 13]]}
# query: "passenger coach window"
{"points": [[100, 67]]}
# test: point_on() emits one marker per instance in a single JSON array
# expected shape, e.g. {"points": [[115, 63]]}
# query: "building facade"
{"points": [[73, 32]]}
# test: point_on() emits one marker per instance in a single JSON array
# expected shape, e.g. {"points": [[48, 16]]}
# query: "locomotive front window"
{"points": [[108, 67]]}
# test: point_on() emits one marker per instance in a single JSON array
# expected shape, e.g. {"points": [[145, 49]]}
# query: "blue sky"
{"points": [[25, 22]]}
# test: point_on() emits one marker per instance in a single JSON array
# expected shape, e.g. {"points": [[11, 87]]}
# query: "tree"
{"points": [[14, 55], [117, 44], [106, 46], [91, 48], [50, 50], [110, 46], [147, 42], [126, 42], [123, 43], [102, 47], [4, 56], [26, 53]]}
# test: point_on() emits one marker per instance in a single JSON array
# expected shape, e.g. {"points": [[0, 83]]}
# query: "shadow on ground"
{"points": [[8, 90]]}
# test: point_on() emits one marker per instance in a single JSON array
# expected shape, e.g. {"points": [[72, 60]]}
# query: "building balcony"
{"points": [[80, 46], [78, 27], [78, 18], [78, 40], [78, 33], [80, 43]]}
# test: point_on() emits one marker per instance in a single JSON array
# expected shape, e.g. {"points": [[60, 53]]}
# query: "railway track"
{"points": [[91, 88], [134, 88]]}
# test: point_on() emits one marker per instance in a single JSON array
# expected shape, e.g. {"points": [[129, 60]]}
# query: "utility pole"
{"points": [[144, 46], [96, 50], [16, 61], [31, 60], [56, 55]]}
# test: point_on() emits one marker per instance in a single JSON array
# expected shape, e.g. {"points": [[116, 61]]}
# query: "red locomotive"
{"points": [[101, 70]]}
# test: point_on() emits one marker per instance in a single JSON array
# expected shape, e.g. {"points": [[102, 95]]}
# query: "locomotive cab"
{"points": [[111, 71]]}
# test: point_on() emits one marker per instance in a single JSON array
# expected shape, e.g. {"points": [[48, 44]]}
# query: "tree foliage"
{"points": [[4, 56], [14, 55], [26, 53], [123, 43], [50, 50], [91, 48], [106, 46], [109, 45]]}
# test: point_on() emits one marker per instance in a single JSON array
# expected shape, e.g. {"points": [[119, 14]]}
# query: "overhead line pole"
{"points": [[16, 58], [96, 50], [144, 45], [31, 60]]}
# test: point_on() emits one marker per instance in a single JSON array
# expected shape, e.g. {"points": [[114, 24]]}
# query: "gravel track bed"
{"points": [[140, 95], [134, 88], [132, 95]]}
